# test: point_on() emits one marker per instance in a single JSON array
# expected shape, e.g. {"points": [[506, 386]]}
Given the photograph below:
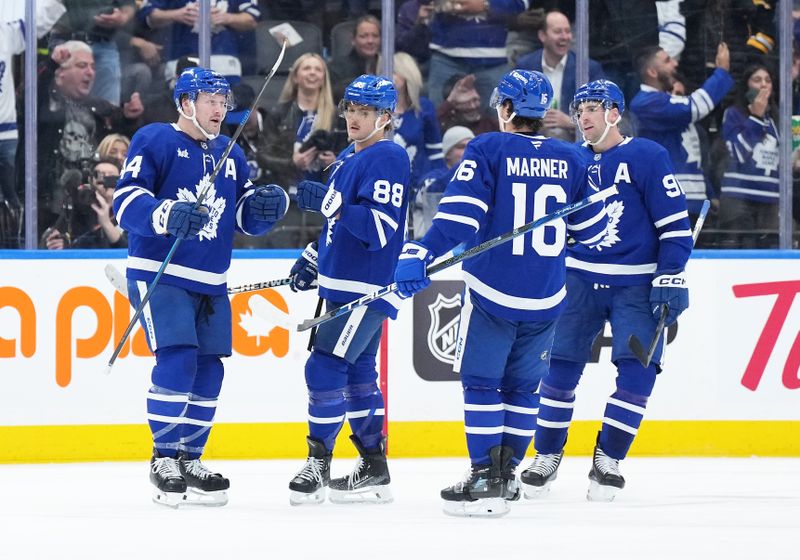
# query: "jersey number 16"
{"points": [[559, 230]]}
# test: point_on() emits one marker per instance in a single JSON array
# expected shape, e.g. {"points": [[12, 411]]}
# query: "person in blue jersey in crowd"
{"points": [[624, 280], [671, 120], [416, 127], [187, 320], [749, 192], [514, 292], [365, 204]]}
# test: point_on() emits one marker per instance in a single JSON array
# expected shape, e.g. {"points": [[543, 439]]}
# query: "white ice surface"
{"points": [[672, 508]]}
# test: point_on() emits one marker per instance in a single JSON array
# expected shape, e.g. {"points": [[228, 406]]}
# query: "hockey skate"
{"points": [[369, 481], [604, 478], [536, 479], [308, 485], [170, 486], [486, 490], [204, 488]]}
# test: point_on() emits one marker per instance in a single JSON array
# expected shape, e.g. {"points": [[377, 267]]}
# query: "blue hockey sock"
{"points": [[556, 405], [483, 417], [326, 377], [167, 400], [365, 413], [202, 406], [520, 405], [625, 408]]}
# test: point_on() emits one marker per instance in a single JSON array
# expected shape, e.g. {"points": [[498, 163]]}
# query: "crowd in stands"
{"points": [[699, 77]]}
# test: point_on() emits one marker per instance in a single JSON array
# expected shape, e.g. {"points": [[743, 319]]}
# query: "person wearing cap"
{"points": [[430, 188]]}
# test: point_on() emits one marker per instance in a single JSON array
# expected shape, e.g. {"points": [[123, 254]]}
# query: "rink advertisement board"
{"points": [[729, 386]]}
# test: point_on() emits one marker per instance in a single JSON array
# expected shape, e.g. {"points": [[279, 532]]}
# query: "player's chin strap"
{"points": [[378, 128], [193, 118], [609, 125], [501, 121]]}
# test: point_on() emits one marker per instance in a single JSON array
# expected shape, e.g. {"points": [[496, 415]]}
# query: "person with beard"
{"points": [[670, 120], [463, 106], [556, 61]]}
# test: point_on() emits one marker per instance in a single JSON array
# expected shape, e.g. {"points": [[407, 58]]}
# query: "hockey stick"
{"points": [[635, 345], [120, 283], [200, 197], [485, 246]]}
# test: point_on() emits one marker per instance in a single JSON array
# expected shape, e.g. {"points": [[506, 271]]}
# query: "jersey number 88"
{"points": [[385, 192]]}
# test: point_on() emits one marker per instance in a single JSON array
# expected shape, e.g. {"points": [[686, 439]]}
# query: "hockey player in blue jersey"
{"points": [[623, 280], [670, 120], [365, 203], [515, 291], [188, 317]]}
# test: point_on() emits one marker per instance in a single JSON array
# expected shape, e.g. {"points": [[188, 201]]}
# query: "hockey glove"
{"points": [[304, 270], [310, 195], [670, 290], [180, 219], [411, 275], [269, 203]]}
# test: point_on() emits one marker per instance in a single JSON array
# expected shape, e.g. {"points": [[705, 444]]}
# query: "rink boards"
{"points": [[729, 388]]}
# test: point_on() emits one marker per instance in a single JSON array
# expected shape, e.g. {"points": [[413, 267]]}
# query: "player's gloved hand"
{"points": [[410, 274], [310, 195], [304, 270], [269, 203], [180, 219], [669, 289]]}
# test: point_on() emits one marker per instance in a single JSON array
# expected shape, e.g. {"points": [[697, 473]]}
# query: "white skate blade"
{"points": [[197, 497], [535, 492], [486, 507], [168, 499], [369, 495], [307, 499], [601, 493]]}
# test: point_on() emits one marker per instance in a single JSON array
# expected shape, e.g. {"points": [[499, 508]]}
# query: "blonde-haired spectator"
{"points": [[114, 146], [416, 125]]}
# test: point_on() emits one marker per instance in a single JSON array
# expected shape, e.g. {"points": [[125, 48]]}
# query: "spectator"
{"points": [[71, 122], [672, 120], [96, 23], [141, 54], [523, 34], [362, 58], [301, 143], [252, 140], [469, 36], [463, 106], [87, 220], [750, 186], [556, 61], [427, 194], [228, 19], [416, 125], [114, 147], [413, 30]]}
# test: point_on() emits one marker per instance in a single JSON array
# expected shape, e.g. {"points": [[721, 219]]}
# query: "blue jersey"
{"points": [[504, 181], [753, 147], [669, 121], [419, 134], [648, 223], [165, 163], [358, 249]]}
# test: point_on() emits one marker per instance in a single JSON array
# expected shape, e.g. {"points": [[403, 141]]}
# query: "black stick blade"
{"points": [[638, 350]]}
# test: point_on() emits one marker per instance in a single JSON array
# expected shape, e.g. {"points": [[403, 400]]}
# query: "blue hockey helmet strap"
{"points": [[529, 91]]}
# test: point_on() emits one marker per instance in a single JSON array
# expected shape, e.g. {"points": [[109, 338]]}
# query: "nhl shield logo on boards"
{"points": [[436, 318], [443, 330]]}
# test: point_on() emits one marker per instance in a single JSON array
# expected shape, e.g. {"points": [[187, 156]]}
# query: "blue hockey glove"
{"points": [[310, 195], [410, 274], [304, 270], [180, 219], [269, 203], [669, 289]]}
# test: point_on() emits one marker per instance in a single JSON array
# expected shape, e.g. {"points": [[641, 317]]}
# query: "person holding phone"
{"points": [[750, 185]]}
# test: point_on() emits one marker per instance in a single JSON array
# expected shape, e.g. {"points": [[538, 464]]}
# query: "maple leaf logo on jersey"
{"points": [[614, 210], [216, 206]]}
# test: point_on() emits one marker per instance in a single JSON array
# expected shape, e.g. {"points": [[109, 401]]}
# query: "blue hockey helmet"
{"points": [[372, 91], [604, 91], [528, 90], [195, 80]]}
